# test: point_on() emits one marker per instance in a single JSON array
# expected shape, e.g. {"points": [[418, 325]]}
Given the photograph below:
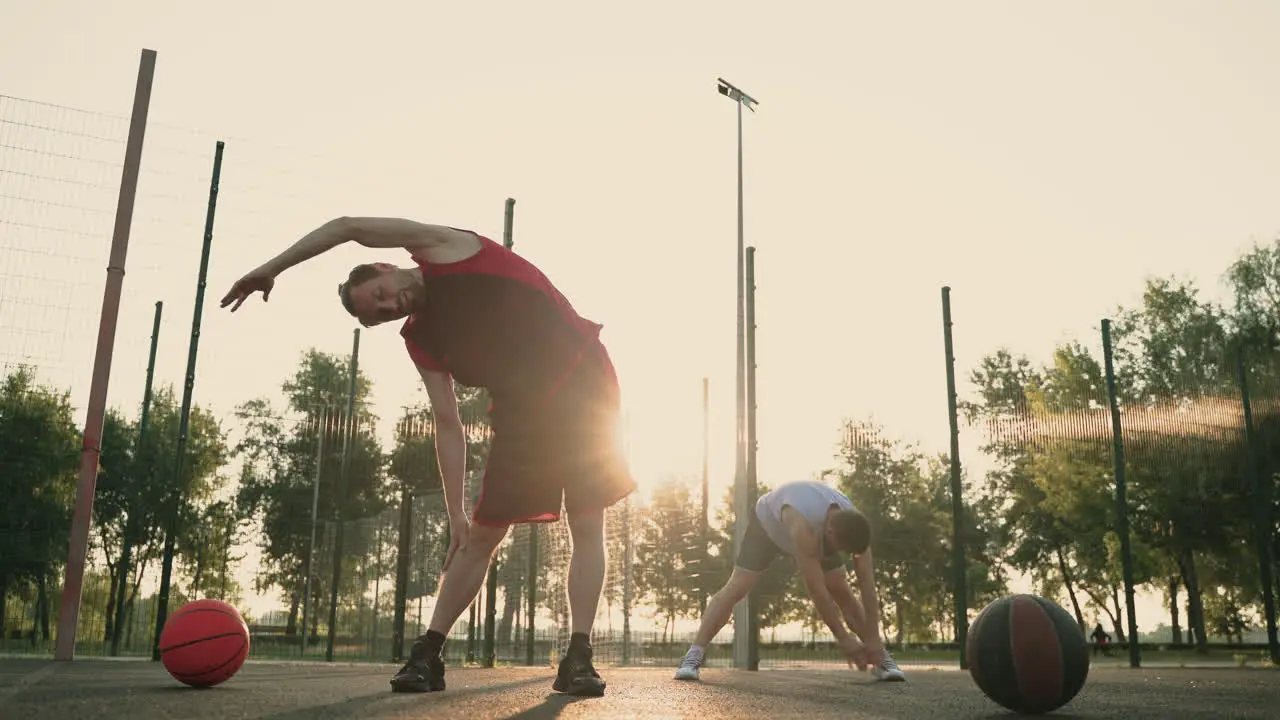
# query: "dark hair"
{"points": [[852, 531], [359, 274]]}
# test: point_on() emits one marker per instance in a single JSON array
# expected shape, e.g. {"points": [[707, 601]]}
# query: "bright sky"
{"points": [[1040, 160]]}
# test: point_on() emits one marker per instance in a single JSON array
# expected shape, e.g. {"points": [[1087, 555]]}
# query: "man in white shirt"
{"points": [[815, 524]]}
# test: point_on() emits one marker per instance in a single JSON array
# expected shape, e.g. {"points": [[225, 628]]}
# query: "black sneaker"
{"points": [[577, 676], [419, 676]]}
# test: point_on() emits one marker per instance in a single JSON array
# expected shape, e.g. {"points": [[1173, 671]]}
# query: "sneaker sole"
{"points": [[412, 687], [580, 688], [687, 677]]}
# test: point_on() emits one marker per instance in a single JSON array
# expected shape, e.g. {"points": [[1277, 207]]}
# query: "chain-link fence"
{"points": [[1132, 478]]}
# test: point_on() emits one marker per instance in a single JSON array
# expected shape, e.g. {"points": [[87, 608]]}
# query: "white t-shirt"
{"points": [[809, 498]]}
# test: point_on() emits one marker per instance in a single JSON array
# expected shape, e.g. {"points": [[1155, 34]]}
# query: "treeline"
{"points": [[1046, 508]]}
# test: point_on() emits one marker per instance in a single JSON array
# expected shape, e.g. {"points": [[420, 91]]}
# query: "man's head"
{"points": [[849, 531], [377, 293]]}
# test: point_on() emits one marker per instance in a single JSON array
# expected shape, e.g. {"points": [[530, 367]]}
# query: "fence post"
{"points": [[1122, 503], [530, 631], [628, 554], [175, 500], [753, 597], [959, 568], [131, 522], [340, 490], [95, 414], [1260, 491], [404, 547]]}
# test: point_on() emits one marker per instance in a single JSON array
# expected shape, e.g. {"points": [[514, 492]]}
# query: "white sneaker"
{"points": [[688, 669], [888, 671]]}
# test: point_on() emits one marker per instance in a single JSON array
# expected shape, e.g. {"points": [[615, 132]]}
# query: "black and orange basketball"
{"points": [[1027, 654], [204, 643]]}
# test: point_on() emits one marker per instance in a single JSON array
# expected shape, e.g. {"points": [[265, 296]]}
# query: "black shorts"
{"points": [[562, 451], [759, 550]]}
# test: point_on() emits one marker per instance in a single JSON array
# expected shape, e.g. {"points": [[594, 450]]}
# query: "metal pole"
{"points": [[742, 505], [958, 566], [530, 631], [704, 529], [628, 554], [488, 652], [1262, 507], [131, 523], [491, 583], [1122, 504], [78, 548], [403, 558], [175, 494], [322, 426], [753, 597], [508, 222], [340, 491]]}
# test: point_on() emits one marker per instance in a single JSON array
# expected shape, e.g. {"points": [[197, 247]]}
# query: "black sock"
{"points": [[429, 645], [579, 641]]}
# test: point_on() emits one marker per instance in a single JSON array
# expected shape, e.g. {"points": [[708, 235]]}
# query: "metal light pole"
{"points": [[741, 494]]}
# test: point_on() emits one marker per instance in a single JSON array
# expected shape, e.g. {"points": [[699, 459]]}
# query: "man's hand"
{"points": [[873, 652], [854, 651], [459, 534], [257, 281]]}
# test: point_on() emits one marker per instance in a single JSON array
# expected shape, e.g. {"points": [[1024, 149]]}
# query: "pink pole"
{"points": [[73, 580]]}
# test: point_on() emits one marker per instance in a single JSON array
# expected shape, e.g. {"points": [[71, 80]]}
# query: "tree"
{"points": [[136, 486], [1175, 354], [886, 480], [39, 457], [1039, 430], [666, 552], [279, 476]]}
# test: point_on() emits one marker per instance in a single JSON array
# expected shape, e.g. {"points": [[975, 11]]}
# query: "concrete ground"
{"points": [[135, 690]]}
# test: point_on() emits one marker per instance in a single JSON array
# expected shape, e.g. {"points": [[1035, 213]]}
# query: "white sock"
{"points": [[696, 652]]}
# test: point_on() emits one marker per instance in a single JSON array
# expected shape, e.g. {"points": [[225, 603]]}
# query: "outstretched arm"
{"points": [[434, 243], [373, 232]]}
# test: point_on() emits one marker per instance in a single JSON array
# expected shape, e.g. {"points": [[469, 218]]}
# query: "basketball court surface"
{"points": [[139, 690]]}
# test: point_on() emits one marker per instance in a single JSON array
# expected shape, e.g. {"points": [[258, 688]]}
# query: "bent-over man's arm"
{"points": [[809, 562]]}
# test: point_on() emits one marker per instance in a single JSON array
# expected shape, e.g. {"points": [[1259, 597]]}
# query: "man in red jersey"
{"points": [[478, 314]]}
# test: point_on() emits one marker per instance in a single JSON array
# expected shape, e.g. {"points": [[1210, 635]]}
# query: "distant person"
{"points": [[815, 524], [477, 313], [1101, 640]]}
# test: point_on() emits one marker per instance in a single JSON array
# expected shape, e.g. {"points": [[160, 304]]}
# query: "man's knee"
{"points": [[740, 583], [483, 540]]}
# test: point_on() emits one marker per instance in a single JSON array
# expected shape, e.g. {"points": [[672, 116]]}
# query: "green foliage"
{"points": [[667, 551], [39, 457], [906, 496], [278, 480]]}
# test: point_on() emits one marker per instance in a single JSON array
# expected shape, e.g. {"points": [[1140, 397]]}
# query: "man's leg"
{"points": [[425, 670], [719, 610], [587, 563], [754, 557], [720, 606]]}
